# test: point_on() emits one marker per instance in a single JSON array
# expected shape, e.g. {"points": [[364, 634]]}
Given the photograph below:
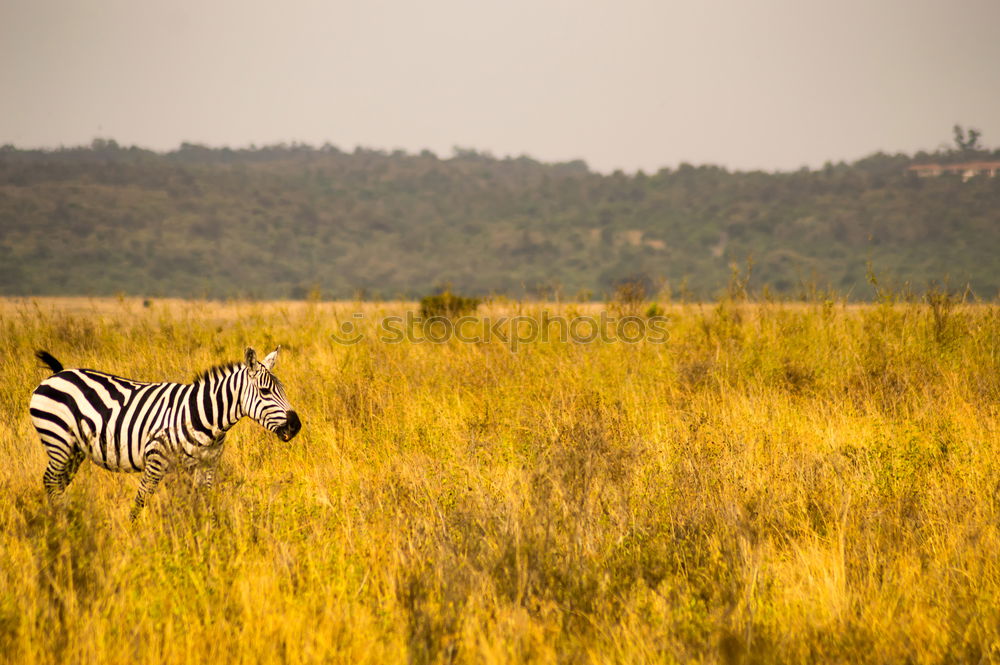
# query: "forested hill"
{"points": [[290, 220]]}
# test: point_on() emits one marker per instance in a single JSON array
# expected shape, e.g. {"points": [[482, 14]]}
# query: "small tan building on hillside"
{"points": [[966, 169]]}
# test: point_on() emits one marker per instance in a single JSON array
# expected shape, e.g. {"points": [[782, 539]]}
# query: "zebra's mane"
{"points": [[225, 369]]}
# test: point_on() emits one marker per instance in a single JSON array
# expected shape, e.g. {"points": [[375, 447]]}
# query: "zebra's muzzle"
{"points": [[291, 427]]}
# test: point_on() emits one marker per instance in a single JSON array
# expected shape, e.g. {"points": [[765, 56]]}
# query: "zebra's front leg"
{"points": [[204, 477], [156, 467], [204, 473]]}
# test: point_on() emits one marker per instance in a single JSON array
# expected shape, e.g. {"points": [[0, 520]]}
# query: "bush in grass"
{"points": [[447, 304]]}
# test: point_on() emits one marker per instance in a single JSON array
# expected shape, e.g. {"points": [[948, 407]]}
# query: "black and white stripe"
{"points": [[126, 425]]}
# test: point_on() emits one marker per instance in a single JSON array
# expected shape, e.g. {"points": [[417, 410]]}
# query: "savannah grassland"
{"points": [[777, 483]]}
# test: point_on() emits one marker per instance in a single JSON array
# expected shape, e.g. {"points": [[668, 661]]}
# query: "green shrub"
{"points": [[447, 304]]}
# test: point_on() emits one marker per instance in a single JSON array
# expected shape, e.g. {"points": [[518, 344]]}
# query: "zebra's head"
{"points": [[264, 397]]}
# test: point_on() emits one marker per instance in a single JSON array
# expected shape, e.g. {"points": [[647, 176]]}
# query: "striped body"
{"points": [[112, 420], [126, 425]]}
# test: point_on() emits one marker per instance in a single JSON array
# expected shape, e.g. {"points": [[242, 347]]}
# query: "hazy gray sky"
{"points": [[773, 84]]}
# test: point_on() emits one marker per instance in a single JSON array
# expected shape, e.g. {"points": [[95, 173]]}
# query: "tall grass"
{"points": [[777, 483]]}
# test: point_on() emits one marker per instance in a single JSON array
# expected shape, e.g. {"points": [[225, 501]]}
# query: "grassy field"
{"points": [[777, 483]]}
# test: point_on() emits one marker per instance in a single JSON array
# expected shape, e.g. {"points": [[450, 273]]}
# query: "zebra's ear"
{"points": [[251, 360], [270, 359]]}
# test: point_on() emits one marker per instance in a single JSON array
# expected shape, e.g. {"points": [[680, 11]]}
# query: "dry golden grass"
{"points": [[777, 483]]}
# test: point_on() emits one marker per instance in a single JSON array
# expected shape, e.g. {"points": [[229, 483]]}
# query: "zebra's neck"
{"points": [[212, 404]]}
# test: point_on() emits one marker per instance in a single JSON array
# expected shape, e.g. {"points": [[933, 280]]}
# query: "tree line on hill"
{"points": [[290, 221]]}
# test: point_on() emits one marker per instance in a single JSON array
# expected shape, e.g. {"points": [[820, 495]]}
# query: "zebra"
{"points": [[132, 426]]}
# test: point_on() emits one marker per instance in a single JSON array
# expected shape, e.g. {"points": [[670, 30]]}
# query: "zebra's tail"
{"points": [[49, 360]]}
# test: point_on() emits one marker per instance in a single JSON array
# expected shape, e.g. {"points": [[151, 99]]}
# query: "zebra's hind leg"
{"points": [[54, 478], [60, 471], [61, 452], [156, 467], [73, 465]]}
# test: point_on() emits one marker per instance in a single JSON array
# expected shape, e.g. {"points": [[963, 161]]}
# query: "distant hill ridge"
{"points": [[286, 221]]}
